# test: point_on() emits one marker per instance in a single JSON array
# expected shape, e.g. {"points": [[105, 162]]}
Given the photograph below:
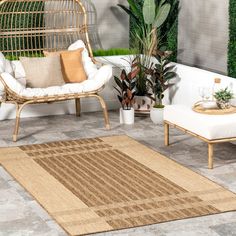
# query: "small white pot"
{"points": [[127, 116], [156, 115]]}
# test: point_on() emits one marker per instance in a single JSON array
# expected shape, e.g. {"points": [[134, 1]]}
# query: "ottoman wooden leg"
{"points": [[210, 155], [166, 134]]}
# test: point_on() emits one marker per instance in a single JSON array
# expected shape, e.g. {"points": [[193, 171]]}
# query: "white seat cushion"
{"points": [[208, 126], [100, 78]]}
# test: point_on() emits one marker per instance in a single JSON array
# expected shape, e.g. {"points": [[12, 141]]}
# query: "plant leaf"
{"points": [[170, 75], [118, 82], [123, 75], [136, 11], [162, 15], [149, 8], [117, 90], [128, 11]]}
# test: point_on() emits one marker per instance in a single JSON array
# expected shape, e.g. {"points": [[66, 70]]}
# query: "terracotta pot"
{"points": [[142, 104], [156, 115], [127, 116]]}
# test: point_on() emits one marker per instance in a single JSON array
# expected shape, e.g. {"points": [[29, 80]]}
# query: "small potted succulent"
{"points": [[160, 75], [126, 91], [223, 97]]}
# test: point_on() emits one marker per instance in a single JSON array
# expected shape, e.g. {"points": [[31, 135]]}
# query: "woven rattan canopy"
{"points": [[27, 27]]}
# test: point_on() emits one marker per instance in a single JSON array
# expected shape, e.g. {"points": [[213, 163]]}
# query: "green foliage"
{"points": [[168, 31], [149, 11], [126, 86], [114, 52], [232, 39], [160, 75], [142, 61], [158, 106], [148, 19], [21, 21], [96, 53], [162, 14], [14, 57], [170, 39], [224, 95]]}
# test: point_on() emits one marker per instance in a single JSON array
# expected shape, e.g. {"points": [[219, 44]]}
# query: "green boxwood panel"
{"points": [[232, 39]]}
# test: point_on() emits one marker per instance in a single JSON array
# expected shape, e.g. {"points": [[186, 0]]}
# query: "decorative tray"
{"points": [[213, 111]]}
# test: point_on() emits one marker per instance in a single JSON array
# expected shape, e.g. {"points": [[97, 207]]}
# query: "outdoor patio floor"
{"points": [[20, 214]]}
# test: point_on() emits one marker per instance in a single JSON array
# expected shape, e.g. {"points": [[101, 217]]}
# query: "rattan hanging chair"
{"points": [[29, 27]]}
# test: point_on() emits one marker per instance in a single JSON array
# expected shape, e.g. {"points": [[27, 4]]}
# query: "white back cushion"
{"points": [[12, 83], [18, 68], [186, 91]]}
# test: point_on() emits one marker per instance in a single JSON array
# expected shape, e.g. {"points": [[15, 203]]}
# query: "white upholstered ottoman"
{"points": [[209, 128]]}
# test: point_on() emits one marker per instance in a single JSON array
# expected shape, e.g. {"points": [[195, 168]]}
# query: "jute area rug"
{"points": [[111, 183]]}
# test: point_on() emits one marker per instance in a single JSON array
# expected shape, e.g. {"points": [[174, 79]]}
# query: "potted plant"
{"points": [[142, 101], [126, 90], [160, 74], [223, 97], [149, 17]]}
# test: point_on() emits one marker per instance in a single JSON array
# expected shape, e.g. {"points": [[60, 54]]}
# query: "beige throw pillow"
{"points": [[42, 72], [72, 65]]}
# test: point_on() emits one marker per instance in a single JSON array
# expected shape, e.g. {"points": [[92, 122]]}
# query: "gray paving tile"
{"points": [[225, 229]]}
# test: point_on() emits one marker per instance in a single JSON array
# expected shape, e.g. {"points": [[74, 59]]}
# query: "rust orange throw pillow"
{"points": [[71, 64]]}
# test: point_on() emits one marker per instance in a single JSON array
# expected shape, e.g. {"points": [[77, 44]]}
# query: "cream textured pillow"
{"points": [[72, 65], [42, 72]]}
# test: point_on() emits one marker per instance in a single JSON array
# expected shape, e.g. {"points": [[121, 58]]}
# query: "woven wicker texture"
{"points": [[110, 183], [29, 27]]}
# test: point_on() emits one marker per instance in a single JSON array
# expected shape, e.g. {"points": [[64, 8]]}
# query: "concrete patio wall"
{"points": [[203, 34], [113, 23]]}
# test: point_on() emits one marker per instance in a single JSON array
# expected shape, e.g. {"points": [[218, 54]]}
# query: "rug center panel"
{"points": [[118, 188]]}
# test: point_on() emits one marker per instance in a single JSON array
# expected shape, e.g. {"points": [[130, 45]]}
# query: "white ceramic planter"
{"points": [[127, 116], [156, 115]]}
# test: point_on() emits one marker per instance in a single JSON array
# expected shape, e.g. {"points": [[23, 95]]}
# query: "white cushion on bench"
{"points": [[93, 83], [208, 126]]}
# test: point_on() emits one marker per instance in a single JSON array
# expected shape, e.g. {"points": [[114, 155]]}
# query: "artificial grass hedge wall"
{"points": [[171, 38], [232, 39], [18, 21]]}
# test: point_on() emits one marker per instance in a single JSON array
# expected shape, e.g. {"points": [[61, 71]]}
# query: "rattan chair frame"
{"points": [[25, 40]]}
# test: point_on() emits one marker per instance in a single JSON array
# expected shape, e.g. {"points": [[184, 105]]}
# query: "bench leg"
{"points": [[167, 126], [104, 108], [16, 129], [210, 155], [77, 107], [17, 121]]}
